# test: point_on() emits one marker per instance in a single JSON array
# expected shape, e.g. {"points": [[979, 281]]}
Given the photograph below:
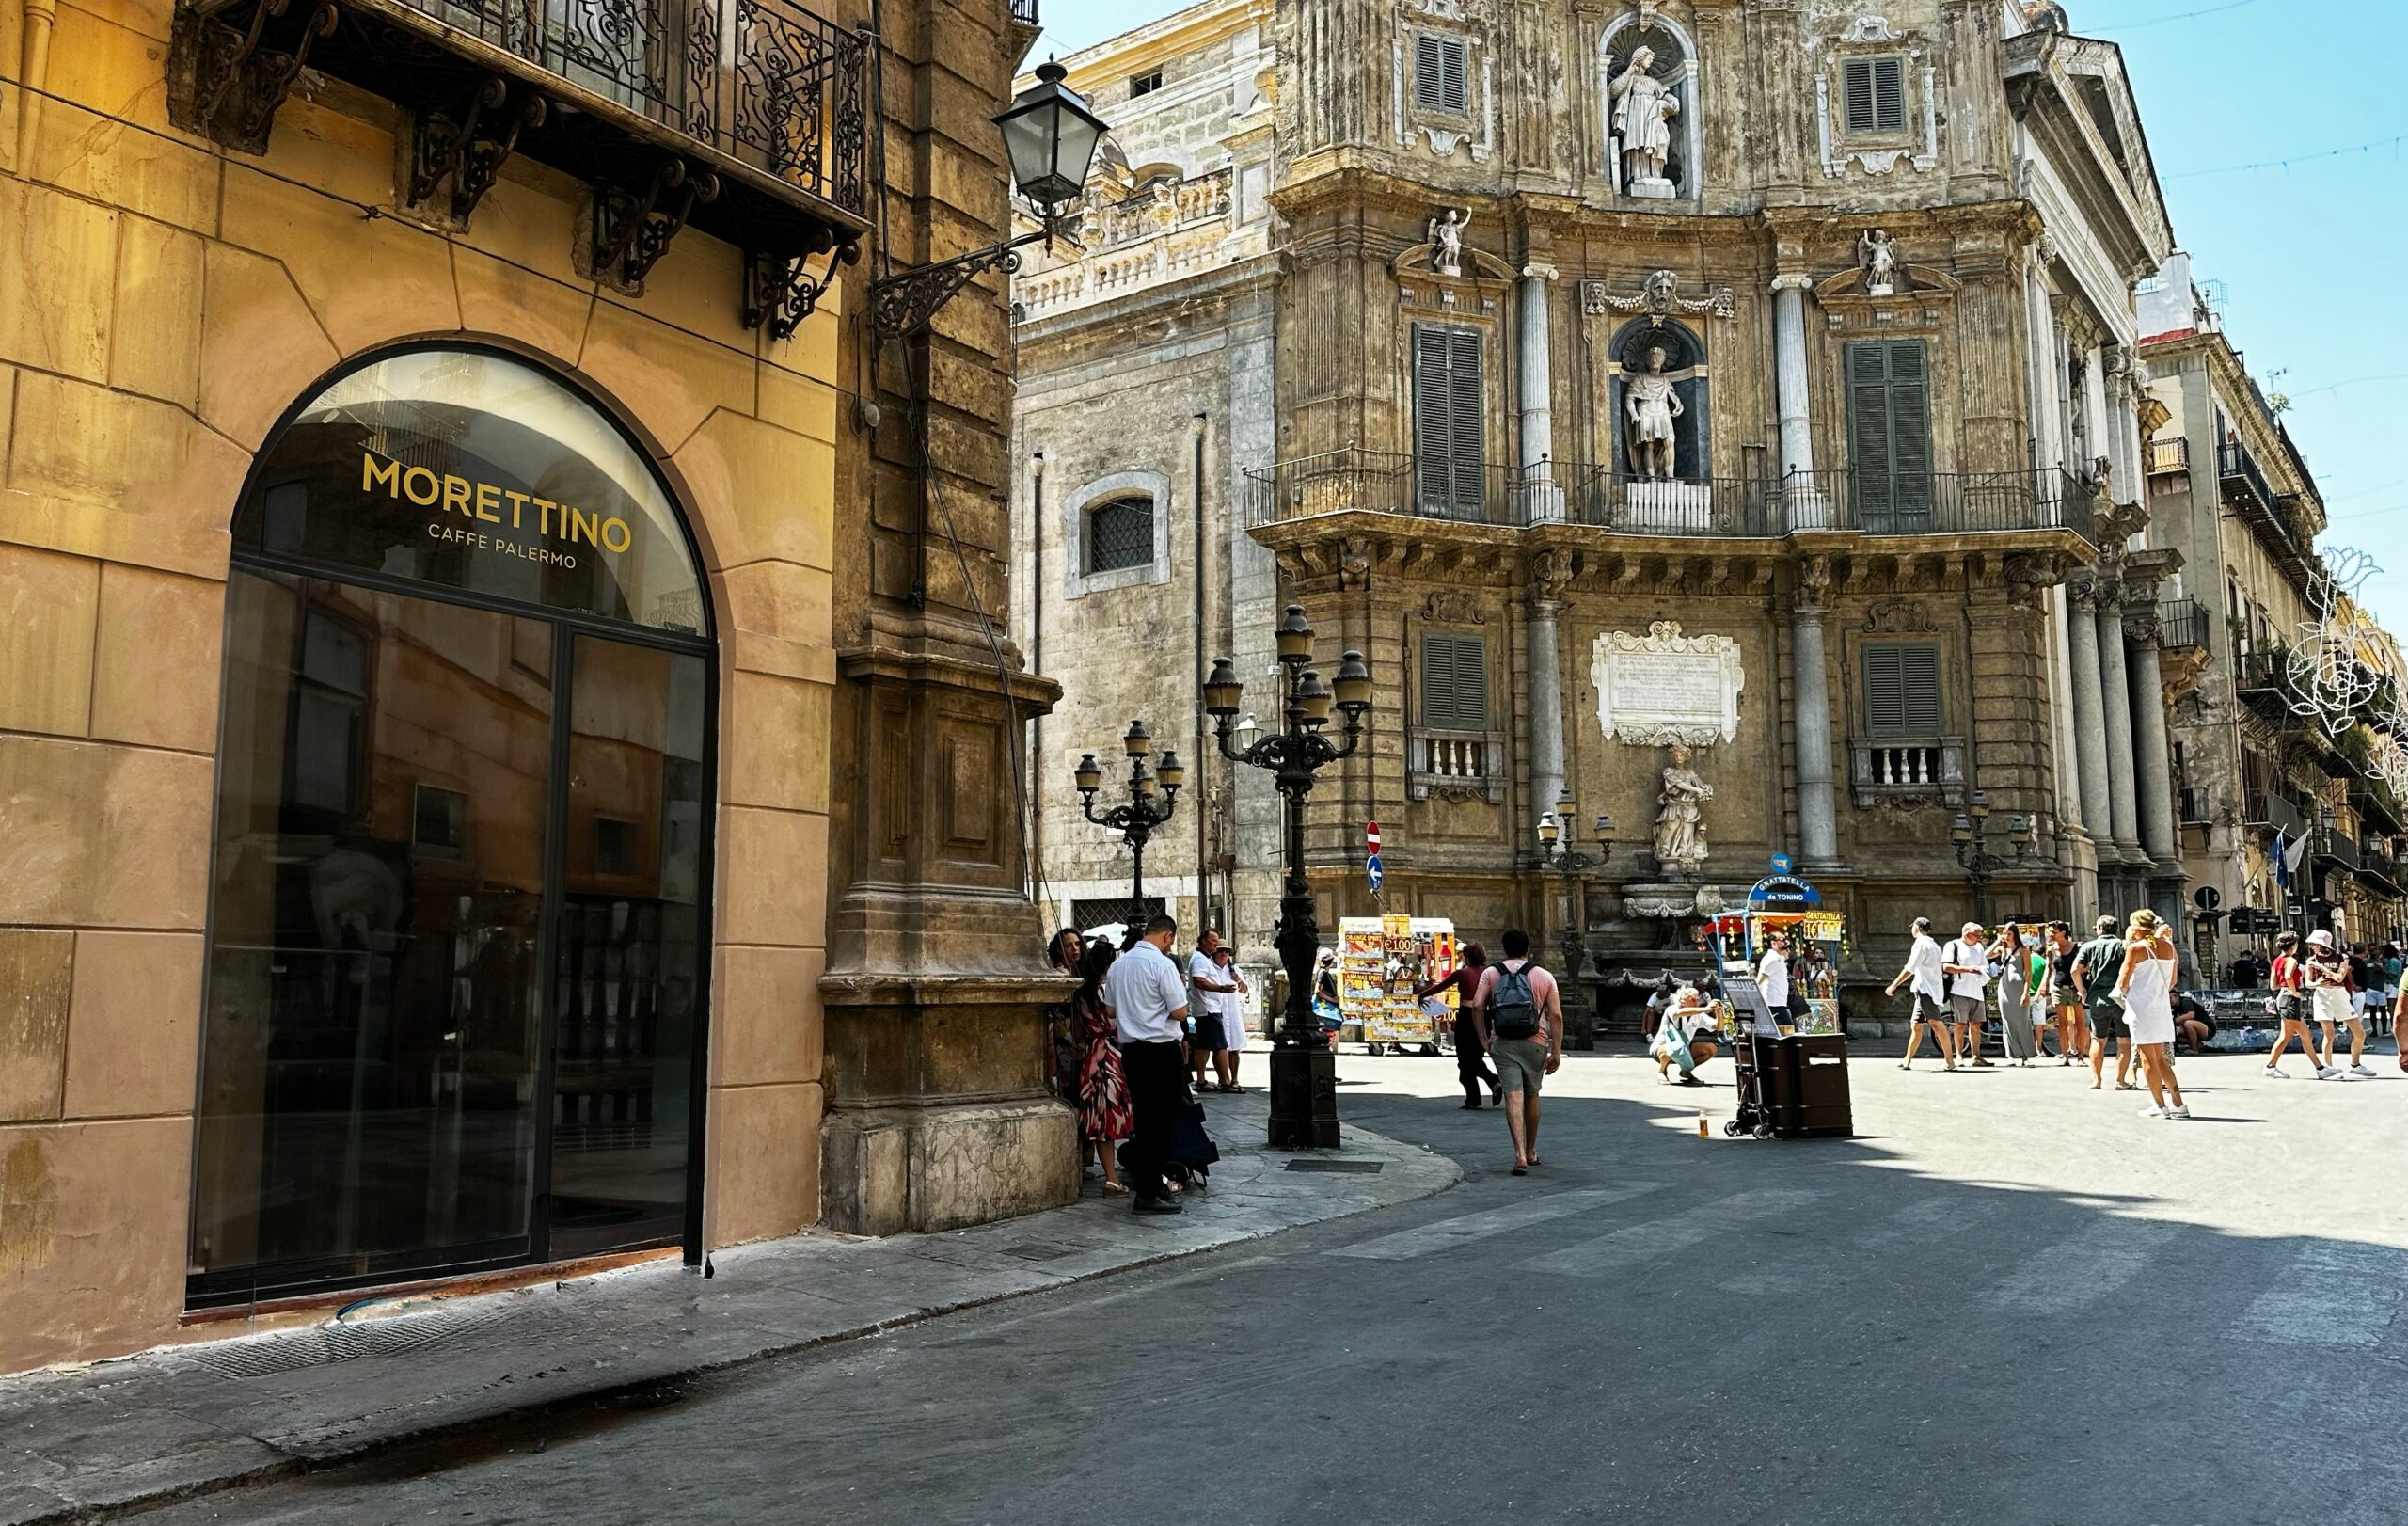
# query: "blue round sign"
{"points": [[1373, 873]]}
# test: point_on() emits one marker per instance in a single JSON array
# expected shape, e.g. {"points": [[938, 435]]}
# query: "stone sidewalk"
{"points": [[89, 1443]]}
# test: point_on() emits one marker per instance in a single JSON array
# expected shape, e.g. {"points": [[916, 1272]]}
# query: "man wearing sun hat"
{"points": [[1967, 964]]}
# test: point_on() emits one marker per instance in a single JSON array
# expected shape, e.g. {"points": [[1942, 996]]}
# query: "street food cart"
{"points": [[1381, 961], [1817, 938]]}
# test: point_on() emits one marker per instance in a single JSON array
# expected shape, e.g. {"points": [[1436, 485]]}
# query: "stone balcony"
{"points": [[1168, 233]]}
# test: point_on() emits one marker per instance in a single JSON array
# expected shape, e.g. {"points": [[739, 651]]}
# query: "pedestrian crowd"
{"points": [[1135, 1046]]}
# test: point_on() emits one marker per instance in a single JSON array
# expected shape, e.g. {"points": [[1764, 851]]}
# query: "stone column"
{"points": [[2155, 774], [1803, 502], [2117, 696], [1810, 686], [2089, 712], [1541, 500], [1547, 710]]}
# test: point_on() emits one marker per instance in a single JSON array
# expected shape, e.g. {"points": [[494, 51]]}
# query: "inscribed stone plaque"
{"points": [[1663, 688]]}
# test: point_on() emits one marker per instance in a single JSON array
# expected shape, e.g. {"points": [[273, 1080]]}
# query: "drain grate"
{"points": [[1350, 1167], [267, 1355], [1052, 1252]]}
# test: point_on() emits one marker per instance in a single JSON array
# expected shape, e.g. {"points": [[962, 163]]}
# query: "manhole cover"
{"points": [[1353, 1167]]}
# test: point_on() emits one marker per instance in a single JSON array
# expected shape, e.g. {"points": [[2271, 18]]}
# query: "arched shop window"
{"points": [[458, 925]]}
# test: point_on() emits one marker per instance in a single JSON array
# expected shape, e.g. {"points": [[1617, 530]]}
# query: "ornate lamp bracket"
{"points": [[780, 291], [905, 304], [468, 147], [631, 235], [237, 85]]}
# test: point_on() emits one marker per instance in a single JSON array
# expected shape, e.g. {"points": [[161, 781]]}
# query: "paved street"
{"points": [[2010, 1299]]}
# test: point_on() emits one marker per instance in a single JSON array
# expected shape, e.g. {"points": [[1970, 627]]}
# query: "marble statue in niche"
{"points": [[1680, 822], [1653, 409], [1879, 261], [1643, 109]]}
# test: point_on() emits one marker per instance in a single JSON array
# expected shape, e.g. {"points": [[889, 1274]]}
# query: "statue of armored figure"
{"points": [[1651, 406], [1879, 261], [1680, 825], [1447, 241], [1643, 109]]}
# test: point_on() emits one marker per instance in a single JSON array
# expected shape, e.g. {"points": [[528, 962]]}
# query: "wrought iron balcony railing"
{"points": [[2238, 469], [1024, 12], [748, 118], [2181, 623], [1584, 493]]}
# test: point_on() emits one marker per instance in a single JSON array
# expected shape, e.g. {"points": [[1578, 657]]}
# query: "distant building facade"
{"points": [[1725, 417]]}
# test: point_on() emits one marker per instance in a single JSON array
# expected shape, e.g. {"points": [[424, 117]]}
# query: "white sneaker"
{"points": [[2329, 1072], [2361, 1070], [2152, 1110], [2178, 1110], [2274, 1072]]}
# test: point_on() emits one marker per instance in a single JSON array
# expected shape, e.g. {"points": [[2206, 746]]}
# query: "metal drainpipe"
{"points": [[1036, 666], [1203, 860]]}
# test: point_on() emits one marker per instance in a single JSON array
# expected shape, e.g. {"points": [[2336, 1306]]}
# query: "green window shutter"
{"points": [[1874, 95], [1902, 688], [1439, 75], [1888, 406], [1454, 683], [1446, 420]]}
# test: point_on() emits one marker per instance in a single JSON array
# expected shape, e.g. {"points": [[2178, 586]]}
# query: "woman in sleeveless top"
{"points": [[2147, 987]]}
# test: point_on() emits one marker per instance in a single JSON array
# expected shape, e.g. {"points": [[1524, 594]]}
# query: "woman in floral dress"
{"points": [[1104, 1118]]}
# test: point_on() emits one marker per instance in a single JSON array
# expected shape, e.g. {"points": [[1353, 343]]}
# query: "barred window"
{"points": [[1120, 534], [1439, 65], [1877, 95], [1902, 688]]}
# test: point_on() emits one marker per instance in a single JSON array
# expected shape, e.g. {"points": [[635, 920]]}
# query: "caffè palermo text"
{"points": [[484, 501]]}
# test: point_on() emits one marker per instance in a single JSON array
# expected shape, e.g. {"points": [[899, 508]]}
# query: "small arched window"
{"points": [[1120, 534]]}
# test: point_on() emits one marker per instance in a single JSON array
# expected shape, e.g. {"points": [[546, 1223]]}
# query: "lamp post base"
{"points": [[1304, 1098]]}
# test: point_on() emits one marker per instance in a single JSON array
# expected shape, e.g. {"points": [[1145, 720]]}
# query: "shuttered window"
{"points": [[1877, 95], [1446, 420], [1902, 688], [1438, 70], [1454, 682], [1888, 422]]}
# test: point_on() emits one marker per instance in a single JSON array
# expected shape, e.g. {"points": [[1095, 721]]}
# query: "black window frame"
{"points": [[1145, 84]]}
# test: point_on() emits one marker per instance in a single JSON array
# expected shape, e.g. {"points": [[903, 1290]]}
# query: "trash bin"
{"points": [[1804, 1083]]}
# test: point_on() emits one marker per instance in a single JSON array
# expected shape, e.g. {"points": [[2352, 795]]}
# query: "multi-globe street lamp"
{"points": [[1555, 853], [1136, 820], [1970, 834], [1304, 1075]]}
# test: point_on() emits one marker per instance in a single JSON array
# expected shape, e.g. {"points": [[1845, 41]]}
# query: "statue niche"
{"points": [[1660, 413], [1647, 75]]}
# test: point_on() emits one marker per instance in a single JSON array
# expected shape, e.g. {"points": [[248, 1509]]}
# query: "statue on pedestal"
{"points": [[1447, 241], [1651, 406], [1879, 261], [1680, 825], [1643, 109]]}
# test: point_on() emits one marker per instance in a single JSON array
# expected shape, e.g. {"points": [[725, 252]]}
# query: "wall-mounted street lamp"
{"points": [[1970, 834], [1555, 853]]}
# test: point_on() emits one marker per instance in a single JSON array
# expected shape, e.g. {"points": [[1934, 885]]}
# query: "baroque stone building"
{"points": [[501, 763], [2287, 726], [1724, 415]]}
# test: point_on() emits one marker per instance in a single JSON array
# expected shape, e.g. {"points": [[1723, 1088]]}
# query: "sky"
{"points": [[2311, 249]]}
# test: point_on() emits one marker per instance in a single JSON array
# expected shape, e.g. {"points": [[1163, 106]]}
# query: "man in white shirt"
{"points": [[1216, 994], [1967, 960], [1772, 978], [1926, 970], [1149, 1004]]}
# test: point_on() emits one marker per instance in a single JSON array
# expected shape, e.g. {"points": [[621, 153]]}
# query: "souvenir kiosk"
{"points": [[1793, 1075], [1381, 962]]}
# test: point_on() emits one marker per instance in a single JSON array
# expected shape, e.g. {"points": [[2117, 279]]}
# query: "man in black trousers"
{"points": [[1471, 1056], [1149, 1001]]}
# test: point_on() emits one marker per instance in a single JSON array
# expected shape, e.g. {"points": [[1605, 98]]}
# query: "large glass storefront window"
{"points": [[458, 943]]}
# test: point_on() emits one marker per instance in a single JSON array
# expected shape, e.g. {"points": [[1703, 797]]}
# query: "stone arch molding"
{"points": [[1076, 581], [1687, 81]]}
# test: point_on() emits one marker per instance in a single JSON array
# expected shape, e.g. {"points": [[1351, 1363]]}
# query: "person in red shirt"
{"points": [[2290, 1007]]}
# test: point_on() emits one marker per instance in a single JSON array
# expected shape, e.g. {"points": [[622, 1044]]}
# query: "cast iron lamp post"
{"points": [[1136, 820], [1970, 834], [1049, 138], [1304, 1074], [1555, 853]]}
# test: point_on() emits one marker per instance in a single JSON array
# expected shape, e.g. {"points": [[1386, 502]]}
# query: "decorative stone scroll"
{"points": [[1665, 689], [1659, 294]]}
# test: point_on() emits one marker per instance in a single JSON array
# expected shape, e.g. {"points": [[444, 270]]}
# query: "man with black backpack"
{"points": [[1520, 1021]]}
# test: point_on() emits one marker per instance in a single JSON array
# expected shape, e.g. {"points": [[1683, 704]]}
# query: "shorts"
{"points": [[1521, 1064], [2107, 1020], [1968, 1008], [1928, 1011], [1210, 1036]]}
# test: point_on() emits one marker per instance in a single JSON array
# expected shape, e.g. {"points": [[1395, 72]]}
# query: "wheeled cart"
{"points": [[1792, 1087]]}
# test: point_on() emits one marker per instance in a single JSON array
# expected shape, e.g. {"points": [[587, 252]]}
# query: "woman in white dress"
{"points": [[2147, 987]]}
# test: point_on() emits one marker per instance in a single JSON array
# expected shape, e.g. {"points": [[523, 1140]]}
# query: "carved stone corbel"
{"points": [[468, 146], [630, 235], [227, 85]]}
